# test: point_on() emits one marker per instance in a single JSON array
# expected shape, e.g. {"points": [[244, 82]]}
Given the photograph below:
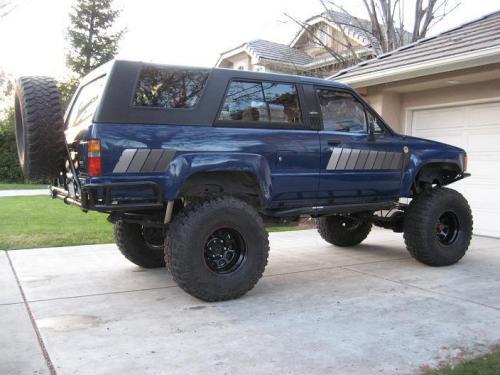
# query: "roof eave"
{"points": [[451, 63]]}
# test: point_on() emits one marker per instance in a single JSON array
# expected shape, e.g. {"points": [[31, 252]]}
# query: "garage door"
{"points": [[476, 128]]}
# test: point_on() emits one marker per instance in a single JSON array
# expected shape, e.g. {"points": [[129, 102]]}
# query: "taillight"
{"points": [[465, 162], [94, 157]]}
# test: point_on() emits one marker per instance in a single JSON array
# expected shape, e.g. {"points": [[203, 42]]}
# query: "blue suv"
{"points": [[190, 164]]}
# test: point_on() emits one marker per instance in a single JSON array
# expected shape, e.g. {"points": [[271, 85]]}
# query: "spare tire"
{"points": [[39, 128]]}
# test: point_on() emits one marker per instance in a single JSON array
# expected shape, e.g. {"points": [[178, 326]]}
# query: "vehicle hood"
{"points": [[422, 142]]}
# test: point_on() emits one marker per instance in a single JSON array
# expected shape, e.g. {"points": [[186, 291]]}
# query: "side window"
{"points": [[261, 102], [86, 102], [283, 102], [341, 112], [169, 88], [244, 102], [373, 120]]}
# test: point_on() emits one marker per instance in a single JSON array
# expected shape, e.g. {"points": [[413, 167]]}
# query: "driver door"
{"points": [[355, 167]]}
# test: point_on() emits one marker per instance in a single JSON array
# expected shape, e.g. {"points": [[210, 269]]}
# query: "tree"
{"points": [[384, 31], [92, 38], [10, 170], [66, 89], [6, 86]]}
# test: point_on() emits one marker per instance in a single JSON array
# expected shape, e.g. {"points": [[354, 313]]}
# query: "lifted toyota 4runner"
{"points": [[191, 163]]}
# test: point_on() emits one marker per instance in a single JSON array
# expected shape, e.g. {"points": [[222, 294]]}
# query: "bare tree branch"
{"points": [[384, 30]]}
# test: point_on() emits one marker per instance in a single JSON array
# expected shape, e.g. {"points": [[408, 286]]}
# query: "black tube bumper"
{"points": [[101, 197]]}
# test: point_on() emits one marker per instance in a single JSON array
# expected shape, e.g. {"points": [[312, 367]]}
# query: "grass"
{"points": [[4, 186], [32, 222], [29, 222], [485, 365]]}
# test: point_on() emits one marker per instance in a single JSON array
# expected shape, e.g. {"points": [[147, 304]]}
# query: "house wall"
{"points": [[310, 45], [393, 106], [241, 59]]}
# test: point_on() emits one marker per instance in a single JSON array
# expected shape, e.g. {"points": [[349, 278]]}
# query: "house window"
{"points": [[241, 67], [261, 102], [341, 112], [169, 88]]}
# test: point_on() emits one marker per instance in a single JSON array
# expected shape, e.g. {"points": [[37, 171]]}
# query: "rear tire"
{"points": [[217, 249], [139, 246], [343, 230], [39, 128], [438, 227]]}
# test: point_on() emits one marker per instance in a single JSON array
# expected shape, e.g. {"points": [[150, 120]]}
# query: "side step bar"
{"points": [[336, 209]]}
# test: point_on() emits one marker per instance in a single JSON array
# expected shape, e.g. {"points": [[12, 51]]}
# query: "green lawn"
{"points": [[30, 222], [486, 365], [21, 186]]}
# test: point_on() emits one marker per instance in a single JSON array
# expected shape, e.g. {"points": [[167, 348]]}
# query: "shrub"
{"points": [[10, 170]]}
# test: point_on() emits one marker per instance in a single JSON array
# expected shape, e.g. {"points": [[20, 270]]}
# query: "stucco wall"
{"points": [[241, 59], [393, 106]]}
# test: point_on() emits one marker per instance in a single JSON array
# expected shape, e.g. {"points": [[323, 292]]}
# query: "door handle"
{"points": [[334, 142]]}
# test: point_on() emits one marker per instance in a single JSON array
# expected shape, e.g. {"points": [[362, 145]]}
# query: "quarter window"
{"points": [[372, 120], [86, 103], [169, 88], [341, 112], [261, 102]]}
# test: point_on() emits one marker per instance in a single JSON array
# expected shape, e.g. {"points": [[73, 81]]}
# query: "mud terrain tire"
{"points": [[131, 242], [438, 227], [217, 249], [343, 230], [39, 128]]}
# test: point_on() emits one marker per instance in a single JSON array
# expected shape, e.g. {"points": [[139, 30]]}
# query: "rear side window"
{"points": [[261, 102], [169, 88], [86, 103], [341, 112]]}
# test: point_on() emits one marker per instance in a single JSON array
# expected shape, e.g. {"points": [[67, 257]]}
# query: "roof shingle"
{"points": [[472, 36], [278, 52]]}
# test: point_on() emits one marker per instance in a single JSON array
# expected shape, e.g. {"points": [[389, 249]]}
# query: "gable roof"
{"points": [[278, 52], [265, 49], [475, 42], [354, 27]]}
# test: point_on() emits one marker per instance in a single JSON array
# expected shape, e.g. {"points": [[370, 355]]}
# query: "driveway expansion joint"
{"points": [[45, 353]]}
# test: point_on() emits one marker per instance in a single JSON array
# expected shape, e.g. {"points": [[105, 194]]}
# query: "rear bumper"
{"points": [[112, 197]]}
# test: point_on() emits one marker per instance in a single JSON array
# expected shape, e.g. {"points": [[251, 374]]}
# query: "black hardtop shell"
{"points": [[116, 100]]}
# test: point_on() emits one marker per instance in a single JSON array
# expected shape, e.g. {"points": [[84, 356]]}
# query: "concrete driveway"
{"points": [[24, 193], [319, 309]]}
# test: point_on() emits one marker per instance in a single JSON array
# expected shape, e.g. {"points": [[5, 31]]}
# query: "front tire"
{"points": [[217, 249], [343, 230], [438, 227], [142, 246]]}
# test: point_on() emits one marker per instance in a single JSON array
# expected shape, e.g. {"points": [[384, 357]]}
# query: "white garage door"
{"points": [[476, 128]]}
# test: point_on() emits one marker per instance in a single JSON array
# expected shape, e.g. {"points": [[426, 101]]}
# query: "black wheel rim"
{"points": [[224, 251], [154, 238], [447, 228], [349, 223]]}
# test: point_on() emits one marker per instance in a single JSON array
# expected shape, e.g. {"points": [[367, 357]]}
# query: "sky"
{"points": [[187, 32]]}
